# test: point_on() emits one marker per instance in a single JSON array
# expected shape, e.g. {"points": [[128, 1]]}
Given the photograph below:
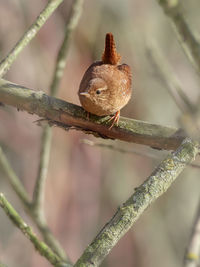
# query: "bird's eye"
{"points": [[98, 92]]}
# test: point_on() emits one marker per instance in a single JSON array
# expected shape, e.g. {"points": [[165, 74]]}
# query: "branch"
{"points": [[28, 36], [189, 119], [42, 248], [155, 185], [38, 195], [40, 222], [132, 151], [186, 38], [119, 149], [14, 181], [192, 255], [62, 55], [67, 115], [167, 75]]}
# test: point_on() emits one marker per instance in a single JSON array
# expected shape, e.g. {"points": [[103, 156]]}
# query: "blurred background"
{"points": [[86, 184]]}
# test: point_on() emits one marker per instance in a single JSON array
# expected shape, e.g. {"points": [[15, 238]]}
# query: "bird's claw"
{"points": [[115, 119]]}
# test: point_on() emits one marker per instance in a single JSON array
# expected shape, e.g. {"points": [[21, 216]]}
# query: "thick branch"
{"points": [[68, 115], [28, 36], [155, 185]]}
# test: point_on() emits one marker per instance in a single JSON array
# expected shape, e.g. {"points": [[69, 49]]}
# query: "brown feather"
{"points": [[110, 55], [106, 86]]}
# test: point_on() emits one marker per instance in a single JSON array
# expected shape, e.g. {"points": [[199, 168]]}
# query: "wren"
{"points": [[106, 85]]}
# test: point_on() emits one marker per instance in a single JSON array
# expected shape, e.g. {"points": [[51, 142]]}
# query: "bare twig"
{"points": [[13, 179], [166, 74], [62, 55], [66, 115], [39, 221], [119, 149], [189, 120], [27, 37], [188, 41], [40, 246], [38, 194], [155, 185], [126, 151], [192, 255]]}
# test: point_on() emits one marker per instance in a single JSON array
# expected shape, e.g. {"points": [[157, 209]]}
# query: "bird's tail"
{"points": [[110, 55]]}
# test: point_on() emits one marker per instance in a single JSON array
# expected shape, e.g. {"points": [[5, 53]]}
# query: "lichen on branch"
{"points": [[68, 115]]}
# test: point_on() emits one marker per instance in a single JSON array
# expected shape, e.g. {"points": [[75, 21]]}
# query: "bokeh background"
{"points": [[86, 184]]}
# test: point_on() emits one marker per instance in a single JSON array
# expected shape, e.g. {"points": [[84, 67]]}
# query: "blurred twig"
{"points": [[189, 119], [36, 207], [118, 149], [42, 248], [38, 195], [62, 55], [192, 255], [187, 40], [27, 37], [39, 221], [13, 179], [155, 185], [166, 74], [68, 115], [125, 151]]}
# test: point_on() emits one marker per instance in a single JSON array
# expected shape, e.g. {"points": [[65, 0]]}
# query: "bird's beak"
{"points": [[84, 93]]}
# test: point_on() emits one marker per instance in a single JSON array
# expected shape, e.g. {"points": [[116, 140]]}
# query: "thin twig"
{"points": [[13, 179], [39, 221], [39, 188], [166, 74], [189, 120], [155, 185], [38, 195], [27, 37], [187, 40], [126, 151], [67, 115], [119, 149], [62, 55], [40, 246], [192, 255]]}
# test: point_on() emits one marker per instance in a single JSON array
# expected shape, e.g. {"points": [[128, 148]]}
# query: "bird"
{"points": [[106, 85]]}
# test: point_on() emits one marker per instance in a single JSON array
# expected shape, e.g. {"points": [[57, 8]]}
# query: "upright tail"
{"points": [[110, 55]]}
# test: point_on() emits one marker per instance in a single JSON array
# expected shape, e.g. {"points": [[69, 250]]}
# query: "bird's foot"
{"points": [[115, 119]]}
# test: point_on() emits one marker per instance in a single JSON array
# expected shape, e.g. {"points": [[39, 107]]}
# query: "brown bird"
{"points": [[106, 85]]}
